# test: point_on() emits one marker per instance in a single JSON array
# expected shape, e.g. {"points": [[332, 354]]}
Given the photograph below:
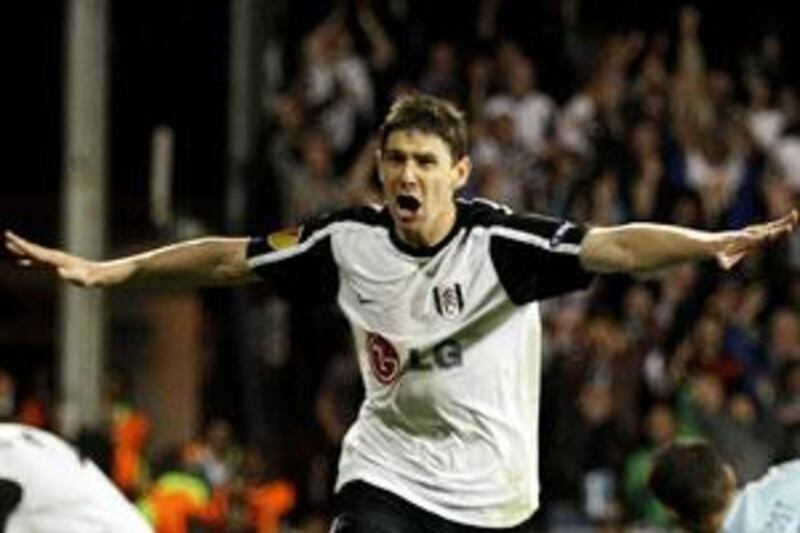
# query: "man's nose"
{"points": [[409, 173]]}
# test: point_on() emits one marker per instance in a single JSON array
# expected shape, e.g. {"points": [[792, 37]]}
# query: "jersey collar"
{"points": [[424, 251]]}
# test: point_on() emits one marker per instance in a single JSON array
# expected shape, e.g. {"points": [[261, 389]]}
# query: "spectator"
{"points": [[647, 192], [181, 499], [336, 82], [217, 456], [531, 111], [660, 427], [787, 408], [502, 167], [441, 76], [730, 423]]}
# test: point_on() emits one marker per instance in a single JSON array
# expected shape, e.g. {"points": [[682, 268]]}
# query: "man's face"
{"points": [[420, 179]]}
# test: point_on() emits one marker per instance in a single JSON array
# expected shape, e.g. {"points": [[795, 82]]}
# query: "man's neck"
{"points": [[432, 235]]}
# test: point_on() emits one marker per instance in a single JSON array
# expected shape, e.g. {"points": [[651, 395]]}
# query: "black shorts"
{"points": [[364, 508]]}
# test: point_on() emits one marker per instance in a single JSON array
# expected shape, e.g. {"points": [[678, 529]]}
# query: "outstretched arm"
{"points": [[641, 246], [206, 261]]}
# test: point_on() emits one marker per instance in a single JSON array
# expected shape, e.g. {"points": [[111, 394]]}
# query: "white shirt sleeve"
{"points": [[768, 505]]}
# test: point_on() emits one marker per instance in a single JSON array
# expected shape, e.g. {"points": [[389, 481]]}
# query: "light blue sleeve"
{"points": [[768, 505]]}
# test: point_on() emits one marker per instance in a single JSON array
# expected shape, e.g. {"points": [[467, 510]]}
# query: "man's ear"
{"points": [[462, 169]]}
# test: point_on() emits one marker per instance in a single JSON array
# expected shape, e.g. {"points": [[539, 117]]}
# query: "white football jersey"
{"points": [[448, 342], [60, 491], [768, 505]]}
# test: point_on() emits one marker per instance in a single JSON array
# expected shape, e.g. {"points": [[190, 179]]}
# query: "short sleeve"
{"points": [[537, 257], [297, 262]]}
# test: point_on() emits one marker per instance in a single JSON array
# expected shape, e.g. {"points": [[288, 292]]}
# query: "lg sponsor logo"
{"points": [[385, 361]]}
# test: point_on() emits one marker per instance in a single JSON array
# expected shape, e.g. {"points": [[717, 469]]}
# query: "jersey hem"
{"points": [[441, 512]]}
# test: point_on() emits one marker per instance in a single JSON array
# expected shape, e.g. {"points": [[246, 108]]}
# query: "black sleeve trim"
{"points": [[535, 256], [528, 272], [308, 276], [303, 268], [542, 262]]}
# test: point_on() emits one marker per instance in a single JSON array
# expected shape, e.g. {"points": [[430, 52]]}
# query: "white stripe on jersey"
{"points": [[536, 240], [280, 255], [502, 207]]}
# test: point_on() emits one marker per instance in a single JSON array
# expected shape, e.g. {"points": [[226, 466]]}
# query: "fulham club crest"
{"points": [[449, 300]]}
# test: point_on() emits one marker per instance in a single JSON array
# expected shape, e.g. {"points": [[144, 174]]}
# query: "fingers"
{"points": [[786, 224], [16, 244], [774, 230], [26, 249], [740, 243], [28, 253], [788, 221], [13, 246], [11, 243]]}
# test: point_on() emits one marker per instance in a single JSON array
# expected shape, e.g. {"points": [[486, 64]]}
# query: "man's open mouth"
{"points": [[408, 204]]}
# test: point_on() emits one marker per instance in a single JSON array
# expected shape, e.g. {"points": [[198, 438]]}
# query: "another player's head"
{"points": [[423, 162], [695, 483]]}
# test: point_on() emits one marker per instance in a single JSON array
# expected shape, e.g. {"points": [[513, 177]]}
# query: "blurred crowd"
{"points": [[633, 124]]}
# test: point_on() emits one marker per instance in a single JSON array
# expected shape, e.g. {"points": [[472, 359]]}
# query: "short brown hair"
{"points": [[428, 114], [691, 478]]}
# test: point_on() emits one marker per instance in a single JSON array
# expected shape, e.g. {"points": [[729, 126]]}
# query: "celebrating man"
{"points": [[442, 298]]}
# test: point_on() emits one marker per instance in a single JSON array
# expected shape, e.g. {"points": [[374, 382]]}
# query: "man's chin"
{"points": [[406, 218], [409, 229]]}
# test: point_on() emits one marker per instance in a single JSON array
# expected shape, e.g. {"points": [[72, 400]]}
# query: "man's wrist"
{"points": [[107, 273]]}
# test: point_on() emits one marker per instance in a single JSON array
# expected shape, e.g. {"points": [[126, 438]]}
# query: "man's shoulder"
{"points": [[482, 212], [366, 216], [774, 497], [781, 473], [487, 213], [785, 475]]}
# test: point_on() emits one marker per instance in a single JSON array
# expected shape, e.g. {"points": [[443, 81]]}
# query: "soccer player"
{"points": [[46, 486], [699, 488], [441, 295]]}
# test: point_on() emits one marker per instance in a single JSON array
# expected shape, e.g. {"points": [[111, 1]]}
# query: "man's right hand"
{"points": [[71, 268]]}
